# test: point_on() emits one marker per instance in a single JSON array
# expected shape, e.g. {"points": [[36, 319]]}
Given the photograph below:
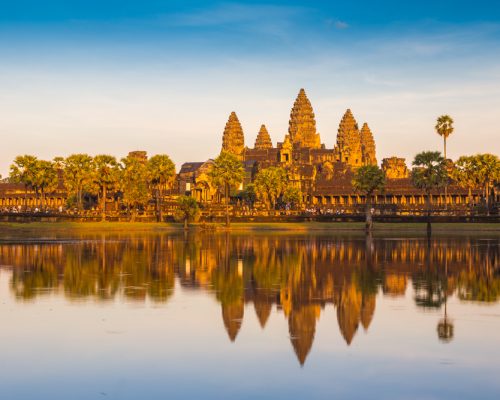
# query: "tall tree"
{"points": [[105, 177], [367, 180], [162, 176], [23, 171], [134, 180], [465, 173], [488, 174], [270, 184], [187, 210], [444, 128], [293, 196], [429, 172], [46, 179], [227, 172], [78, 175]]}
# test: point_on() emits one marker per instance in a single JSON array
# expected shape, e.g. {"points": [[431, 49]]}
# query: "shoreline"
{"points": [[289, 227]]}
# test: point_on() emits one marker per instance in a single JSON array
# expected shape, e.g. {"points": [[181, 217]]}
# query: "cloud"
{"points": [[336, 23]]}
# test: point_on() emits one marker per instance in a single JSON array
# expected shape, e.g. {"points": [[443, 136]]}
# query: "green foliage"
{"points": [[270, 183], [161, 170], [23, 170], [188, 210], [429, 171], [465, 172], [46, 178], [293, 196], [227, 171], [249, 195], [368, 179], [134, 183], [78, 175], [444, 126]]}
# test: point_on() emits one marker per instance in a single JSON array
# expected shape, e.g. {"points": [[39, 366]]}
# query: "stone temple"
{"points": [[323, 175]]}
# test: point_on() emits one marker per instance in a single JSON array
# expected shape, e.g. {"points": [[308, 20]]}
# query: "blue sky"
{"points": [[163, 76]]}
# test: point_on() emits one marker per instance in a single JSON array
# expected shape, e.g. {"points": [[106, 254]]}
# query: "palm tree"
{"points": [[106, 172], [488, 173], [444, 128], [134, 179], [368, 179], [78, 175], [227, 171], [46, 179], [162, 174], [23, 171], [270, 184], [187, 210], [429, 172], [465, 173]]}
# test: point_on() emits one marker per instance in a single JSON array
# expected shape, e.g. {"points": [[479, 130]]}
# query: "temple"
{"points": [[323, 175]]}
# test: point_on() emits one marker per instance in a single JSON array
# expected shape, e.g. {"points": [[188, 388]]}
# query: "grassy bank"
{"points": [[124, 227]]}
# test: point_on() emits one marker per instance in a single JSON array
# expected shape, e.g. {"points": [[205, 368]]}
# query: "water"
{"points": [[277, 316]]}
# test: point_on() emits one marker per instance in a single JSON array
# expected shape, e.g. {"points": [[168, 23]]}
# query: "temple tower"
{"points": [[368, 146], [302, 125], [348, 146], [263, 140], [233, 140]]}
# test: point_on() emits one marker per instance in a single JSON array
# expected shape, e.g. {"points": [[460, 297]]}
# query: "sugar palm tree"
{"points": [[187, 210], [106, 170], [46, 179], [23, 171], [488, 173], [368, 179], [465, 173], [78, 175], [270, 184], [227, 172], [429, 172], [162, 174], [134, 180], [444, 128]]}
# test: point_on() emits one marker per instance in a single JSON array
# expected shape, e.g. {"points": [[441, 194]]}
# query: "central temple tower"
{"points": [[302, 125]]}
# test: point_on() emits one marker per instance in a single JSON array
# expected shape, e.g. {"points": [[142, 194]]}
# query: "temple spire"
{"points": [[233, 139], [368, 146], [263, 140], [348, 146], [302, 125]]}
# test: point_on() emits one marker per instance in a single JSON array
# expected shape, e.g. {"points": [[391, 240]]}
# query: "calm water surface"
{"points": [[249, 316]]}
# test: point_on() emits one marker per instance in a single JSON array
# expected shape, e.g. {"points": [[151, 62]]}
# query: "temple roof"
{"points": [[233, 139], [263, 140], [302, 124]]}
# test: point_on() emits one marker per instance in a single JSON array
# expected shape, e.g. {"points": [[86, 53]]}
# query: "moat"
{"points": [[249, 315]]}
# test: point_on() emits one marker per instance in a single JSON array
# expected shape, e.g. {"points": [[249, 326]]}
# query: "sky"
{"points": [[163, 76]]}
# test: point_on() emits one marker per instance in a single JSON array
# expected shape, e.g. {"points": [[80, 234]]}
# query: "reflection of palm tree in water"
{"points": [[445, 327]]}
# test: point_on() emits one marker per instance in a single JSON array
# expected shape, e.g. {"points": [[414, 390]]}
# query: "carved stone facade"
{"points": [[302, 124], [233, 140], [395, 168], [367, 146], [263, 140]]}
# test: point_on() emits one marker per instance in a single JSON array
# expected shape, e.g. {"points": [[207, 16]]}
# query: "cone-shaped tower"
{"points": [[302, 126], [302, 327], [348, 147], [232, 315], [367, 310], [348, 312], [263, 140], [368, 146], [233, 140]]}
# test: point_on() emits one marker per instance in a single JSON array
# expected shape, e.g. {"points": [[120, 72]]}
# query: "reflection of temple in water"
{"points": [[297, 275]]}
